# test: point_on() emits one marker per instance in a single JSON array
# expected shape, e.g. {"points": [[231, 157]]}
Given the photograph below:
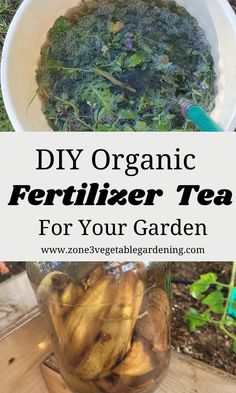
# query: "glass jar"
{"points": [[109, 322]]}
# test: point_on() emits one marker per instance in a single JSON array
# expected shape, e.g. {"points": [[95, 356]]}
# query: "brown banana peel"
{"points": [[78, 385], [97, 273], [52, 288], [115, 334], [154, 325], [137, 301], [113, 384], [84, 323], [140, 360], [70, 297], [111, 331], [54, 282]]}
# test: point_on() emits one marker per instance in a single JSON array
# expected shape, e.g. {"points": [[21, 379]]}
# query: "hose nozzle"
{"points": [[197, 115]]}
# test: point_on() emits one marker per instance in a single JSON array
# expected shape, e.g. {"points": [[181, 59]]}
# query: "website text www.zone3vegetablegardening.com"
{"points": [[124, 250]]}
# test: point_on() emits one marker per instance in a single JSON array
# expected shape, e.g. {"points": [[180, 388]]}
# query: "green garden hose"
{"points": [[198, 116], [232, 304]]}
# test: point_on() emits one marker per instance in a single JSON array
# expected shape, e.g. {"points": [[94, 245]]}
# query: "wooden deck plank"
{"points": [[21, 354], [54, 381], [185, 375], [23, 351]]}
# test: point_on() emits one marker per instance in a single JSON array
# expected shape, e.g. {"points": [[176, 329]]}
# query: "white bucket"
{"points": [[28, 33]]}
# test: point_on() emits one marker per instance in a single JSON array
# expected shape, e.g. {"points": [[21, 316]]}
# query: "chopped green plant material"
{"points": [[121, 66], [219, 309]]}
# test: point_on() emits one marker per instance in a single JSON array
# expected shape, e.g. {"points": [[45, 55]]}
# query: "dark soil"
{"points": [[207, 344]]}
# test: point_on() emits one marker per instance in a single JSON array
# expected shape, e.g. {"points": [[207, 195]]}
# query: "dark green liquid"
{"points": [[121, 66]]}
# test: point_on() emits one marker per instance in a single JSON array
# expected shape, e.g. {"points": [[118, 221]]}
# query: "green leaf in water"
{"points": [[134, 60]]}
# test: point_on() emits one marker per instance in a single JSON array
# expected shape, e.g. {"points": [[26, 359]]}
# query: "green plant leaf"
{"points": [[215, 300], [141, 126], [234, 346], [229, 321], [99, 93], [127, 114], [134, 60], [198, 288], [194, 319], [128, 128]]}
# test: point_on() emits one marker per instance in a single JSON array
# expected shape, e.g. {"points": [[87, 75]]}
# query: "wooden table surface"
{"points": [[22, 352], [185, 375]]}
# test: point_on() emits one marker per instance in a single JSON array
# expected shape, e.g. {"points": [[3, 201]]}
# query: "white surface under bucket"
{"points": [[28, 33]]}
